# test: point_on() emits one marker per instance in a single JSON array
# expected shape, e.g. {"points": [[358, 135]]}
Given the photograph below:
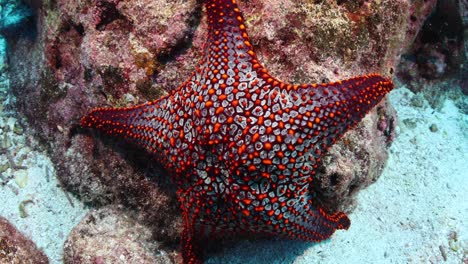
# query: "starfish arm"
{"points": [[327, 111], [190, 252], [190, 246], [293, 218], [149, 125], [228, 44], [301, 221], [304, 221]]}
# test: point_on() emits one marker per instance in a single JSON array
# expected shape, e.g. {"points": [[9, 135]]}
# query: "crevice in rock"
{"points": [[184, 43], [109, 13]]}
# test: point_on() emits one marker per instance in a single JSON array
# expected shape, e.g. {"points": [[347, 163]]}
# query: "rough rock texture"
{"points": [[304, 41], [357, 161], [15, 248], [435, 64], [115, 53], [120, 237], [56, 86]]}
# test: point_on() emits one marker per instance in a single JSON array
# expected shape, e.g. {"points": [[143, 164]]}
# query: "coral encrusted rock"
{"points": [[15, 248], [83, 54], [436, 63], [357, 161], [109, 235]]}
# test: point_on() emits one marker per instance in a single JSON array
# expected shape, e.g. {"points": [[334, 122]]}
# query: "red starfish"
{"points": [[241, 145]]}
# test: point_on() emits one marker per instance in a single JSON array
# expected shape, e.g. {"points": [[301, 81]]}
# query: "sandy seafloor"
{"points": [[417, 209], [50, 215]]}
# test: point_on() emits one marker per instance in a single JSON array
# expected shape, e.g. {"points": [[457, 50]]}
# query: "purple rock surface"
{"points": [[17, 248], [435, 63], [121, 239]]}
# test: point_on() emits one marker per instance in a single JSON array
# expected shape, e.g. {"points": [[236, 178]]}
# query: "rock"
{"points": [[410, 123], [357, 161], [120, 237], [119, 174], [417, 101], [18, 129], [300, 41], [16, 248], [87, 54], [435, 64], [21, 178]]}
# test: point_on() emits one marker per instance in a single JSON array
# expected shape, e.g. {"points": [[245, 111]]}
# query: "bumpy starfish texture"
{"points": [[241, 145]]}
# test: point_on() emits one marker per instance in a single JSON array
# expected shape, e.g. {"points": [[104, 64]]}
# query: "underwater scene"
{"points": [[234, 131]]}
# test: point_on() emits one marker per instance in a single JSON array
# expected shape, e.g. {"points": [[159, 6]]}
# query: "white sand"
{"points": [[50, 215], [408, 214]]}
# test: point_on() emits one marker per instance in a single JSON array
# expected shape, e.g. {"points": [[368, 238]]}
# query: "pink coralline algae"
{"points": [[16, 248], [121, 238]]}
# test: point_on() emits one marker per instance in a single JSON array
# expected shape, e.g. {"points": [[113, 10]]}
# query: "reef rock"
{"points": [[83, 54], [120, 237], [435, 64], [16, 248], [357, 161]]}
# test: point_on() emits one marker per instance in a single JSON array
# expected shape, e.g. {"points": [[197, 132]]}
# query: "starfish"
{"points": [[241, 145]]}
